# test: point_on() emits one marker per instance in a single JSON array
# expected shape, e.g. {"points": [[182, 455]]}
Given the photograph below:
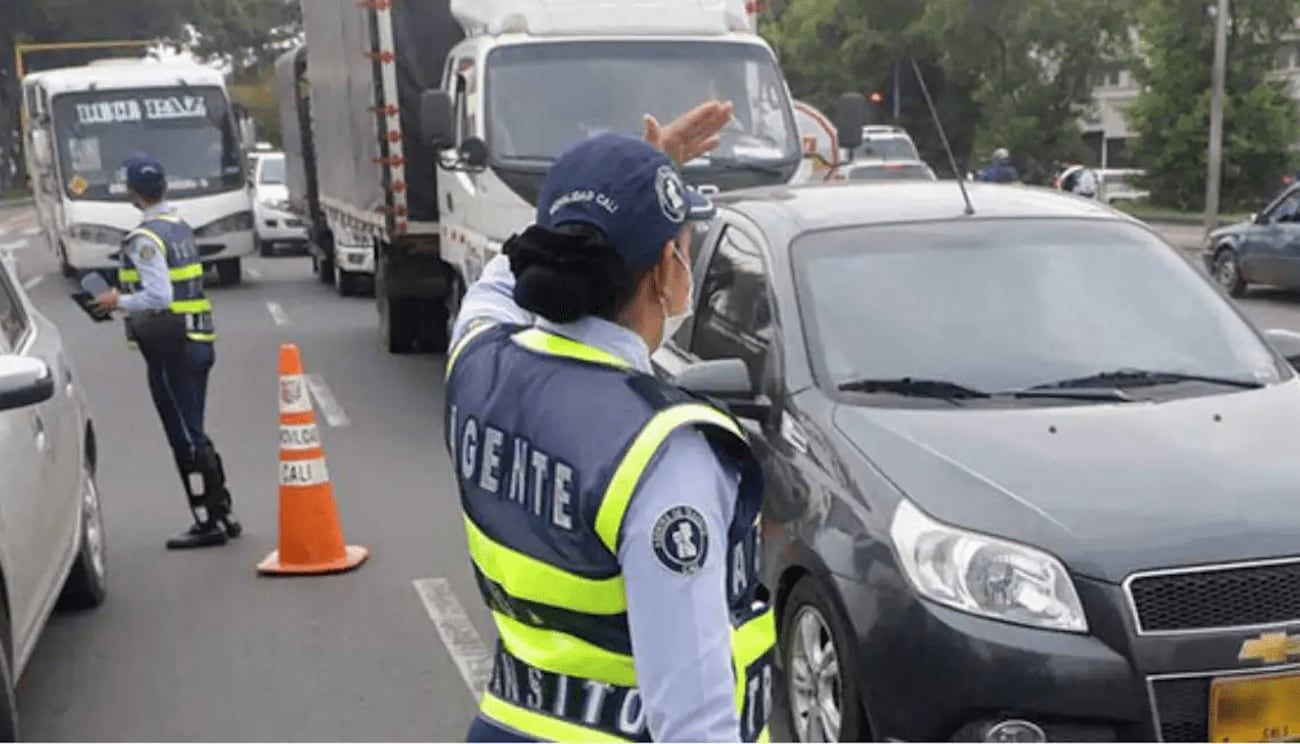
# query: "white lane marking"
{"points": [[253, 273], [13, 246], [329, 406], [30, 284], [463, 642], [31, 231], [277, 313]]}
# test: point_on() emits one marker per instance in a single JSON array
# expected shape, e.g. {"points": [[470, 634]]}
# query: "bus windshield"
{"points": [[190, 130]]}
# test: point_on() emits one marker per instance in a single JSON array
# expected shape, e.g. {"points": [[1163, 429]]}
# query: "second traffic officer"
{"points": [[170, 320], [612, 519]]}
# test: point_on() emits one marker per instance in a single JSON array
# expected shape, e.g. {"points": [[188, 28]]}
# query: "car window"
{"points": [[13, 320], [1013, 304], [1287, 210], [734, 316], [272, 170]]}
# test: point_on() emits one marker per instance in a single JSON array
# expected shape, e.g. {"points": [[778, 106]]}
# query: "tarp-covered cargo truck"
{"points": [[500, 88], [367, 65]]}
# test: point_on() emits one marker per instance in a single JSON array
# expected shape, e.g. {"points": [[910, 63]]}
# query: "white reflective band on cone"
{"points": [[296, 438], [304, 472], [293, 394]]}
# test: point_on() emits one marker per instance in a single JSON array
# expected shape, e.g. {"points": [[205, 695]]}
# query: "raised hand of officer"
{"points": [[692, 134]]}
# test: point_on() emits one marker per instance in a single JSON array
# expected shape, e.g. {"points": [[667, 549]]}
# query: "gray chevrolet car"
{"points": [[1030, 474]]}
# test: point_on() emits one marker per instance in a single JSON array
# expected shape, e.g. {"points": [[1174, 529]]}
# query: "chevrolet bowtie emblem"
{"points": [[1270, 648]]}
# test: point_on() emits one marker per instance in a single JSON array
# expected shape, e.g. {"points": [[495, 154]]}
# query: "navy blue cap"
{"points": [[145, 176], [627, 188]]}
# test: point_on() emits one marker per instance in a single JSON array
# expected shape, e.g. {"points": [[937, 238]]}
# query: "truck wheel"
{"points": [[396, 326], [229, 272], [349, 283], [325, 270], [64, 267]]}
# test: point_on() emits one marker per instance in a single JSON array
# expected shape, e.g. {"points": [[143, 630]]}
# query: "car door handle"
{"points": [[42, 442]]}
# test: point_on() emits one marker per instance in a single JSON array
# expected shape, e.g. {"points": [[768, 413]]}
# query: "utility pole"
{"points": [[1215, 164]]}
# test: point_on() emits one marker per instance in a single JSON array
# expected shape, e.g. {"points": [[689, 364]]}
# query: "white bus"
{"points": [[82, 123]]}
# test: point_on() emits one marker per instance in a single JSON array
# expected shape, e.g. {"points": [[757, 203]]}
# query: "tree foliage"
{"points": [[1171, 116], [1004, 73]]}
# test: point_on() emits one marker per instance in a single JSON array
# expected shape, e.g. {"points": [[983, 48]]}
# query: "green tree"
{"points": [[255, 90], [1171, 116]]}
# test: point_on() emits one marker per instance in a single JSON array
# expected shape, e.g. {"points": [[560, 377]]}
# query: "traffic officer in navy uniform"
{"points": [[611, 518], [170, 320]]}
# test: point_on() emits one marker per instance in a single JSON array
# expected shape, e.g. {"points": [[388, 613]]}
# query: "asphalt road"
{"points": [[196, 646]]}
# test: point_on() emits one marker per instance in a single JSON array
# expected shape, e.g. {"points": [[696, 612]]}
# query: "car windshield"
{"points": [[602, 87], [886, 148], [189, 130], [1012, 304], [889, 173], [272, 170]]}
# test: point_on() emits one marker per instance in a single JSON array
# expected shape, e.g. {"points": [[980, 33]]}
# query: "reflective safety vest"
{"points": [[549, 439], [176, 241]]}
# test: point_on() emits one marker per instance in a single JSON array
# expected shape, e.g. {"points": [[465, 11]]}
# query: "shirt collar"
{"points": [[162, 207], [607, 336]]}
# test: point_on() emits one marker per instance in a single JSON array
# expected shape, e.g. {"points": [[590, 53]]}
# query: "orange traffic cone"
{"points": [[311, 539]]}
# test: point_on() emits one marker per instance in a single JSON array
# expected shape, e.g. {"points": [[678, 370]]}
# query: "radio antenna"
{"points": [[943, 137]]}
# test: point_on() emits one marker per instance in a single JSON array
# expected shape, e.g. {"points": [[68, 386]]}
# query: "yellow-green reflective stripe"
{"points": [[537, 724], [175, 218], [548, 343], [192, 271], [561, 653], [529, 579], [619, 493], [202, 337], [766, 736], [185, 307], [748, 643], [152, 236], [128, 275], [454, 354]]}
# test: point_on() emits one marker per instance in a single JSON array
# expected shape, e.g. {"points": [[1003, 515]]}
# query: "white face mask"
{"points": [[674, 323]]}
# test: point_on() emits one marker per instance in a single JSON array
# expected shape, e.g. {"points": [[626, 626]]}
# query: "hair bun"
{"points": [[567, 274]]}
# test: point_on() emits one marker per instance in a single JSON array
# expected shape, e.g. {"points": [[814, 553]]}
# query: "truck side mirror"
{"points": [[40, 148], [850, 117], [437, 122], [474, 152]]}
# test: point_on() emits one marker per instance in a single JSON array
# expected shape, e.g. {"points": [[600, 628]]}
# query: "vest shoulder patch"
{"points": [[680, 540]]}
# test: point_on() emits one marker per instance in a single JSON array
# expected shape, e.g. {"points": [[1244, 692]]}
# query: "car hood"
{"points": [[1110, 489], [272, 192], [1233, 230]]}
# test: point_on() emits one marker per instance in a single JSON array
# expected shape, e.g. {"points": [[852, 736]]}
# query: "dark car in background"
{"points": [[1265, 249], [1030, 476]]}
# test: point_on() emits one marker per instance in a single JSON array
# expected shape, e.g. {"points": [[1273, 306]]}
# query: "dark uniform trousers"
{"points": [[178, 371]]}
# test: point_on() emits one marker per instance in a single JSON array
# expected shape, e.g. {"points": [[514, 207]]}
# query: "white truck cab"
{"points": [[82, 123], [533, 77]]}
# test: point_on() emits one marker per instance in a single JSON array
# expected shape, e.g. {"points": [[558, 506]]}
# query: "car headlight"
{"points": [[234, 223], [984, 575], [102, 234]]}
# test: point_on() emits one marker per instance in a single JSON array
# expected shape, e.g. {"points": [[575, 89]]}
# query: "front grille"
{"points": [[1182, 708], [1217, 598]]}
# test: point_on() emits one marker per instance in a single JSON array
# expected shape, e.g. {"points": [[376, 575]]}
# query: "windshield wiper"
{"points": [[1126, 378], [914, 388]]}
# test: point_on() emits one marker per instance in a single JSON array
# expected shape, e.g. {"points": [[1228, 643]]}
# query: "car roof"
{"points": [[886, 163], [861, 203]]}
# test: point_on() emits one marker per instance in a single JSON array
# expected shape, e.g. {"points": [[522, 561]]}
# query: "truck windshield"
{"points": [[188, 129], [597, 87]]}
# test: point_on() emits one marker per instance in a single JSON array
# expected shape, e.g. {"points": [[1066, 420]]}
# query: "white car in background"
{"points": [[51, 527], [273, 221]]}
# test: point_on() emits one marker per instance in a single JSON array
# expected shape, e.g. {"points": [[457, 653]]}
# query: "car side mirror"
{"points": [[1258, 219], [1287, 344], [850, 117], [40, 148], [474, 152], [437, 121], [727, 381], [24, 381]]}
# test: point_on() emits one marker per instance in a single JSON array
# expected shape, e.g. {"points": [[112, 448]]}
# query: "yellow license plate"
{"points": [[1255, 708]]}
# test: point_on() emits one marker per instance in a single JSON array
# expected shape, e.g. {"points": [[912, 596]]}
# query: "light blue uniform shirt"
{"points": [[680, 625], [155, 283]]}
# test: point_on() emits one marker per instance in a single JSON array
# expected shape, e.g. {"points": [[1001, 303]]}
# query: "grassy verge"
{"points": [[1145, 211]]}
